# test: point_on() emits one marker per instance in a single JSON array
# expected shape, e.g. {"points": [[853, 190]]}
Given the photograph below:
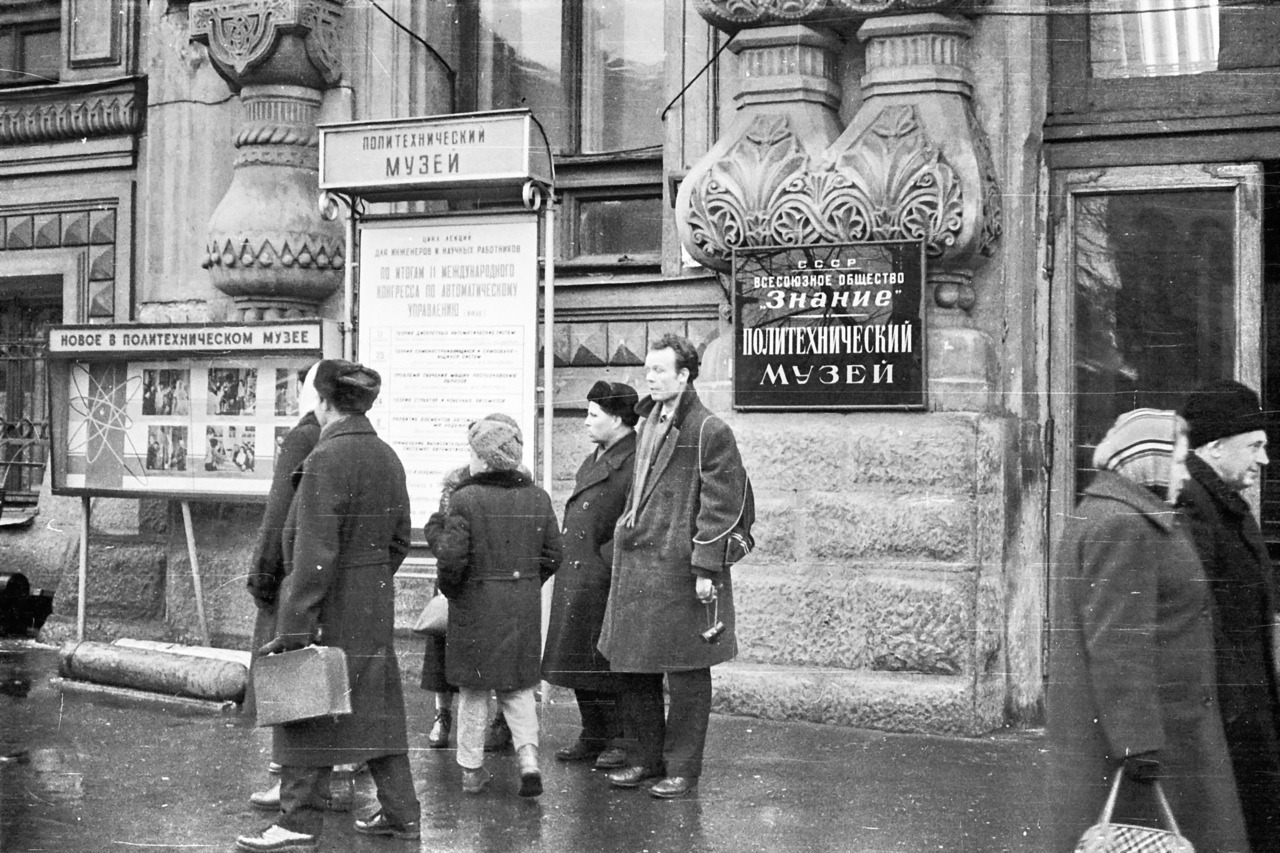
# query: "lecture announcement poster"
{"points": [[448, 314]]}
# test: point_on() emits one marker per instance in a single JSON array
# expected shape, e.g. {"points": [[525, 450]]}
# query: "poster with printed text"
{"points": [[448, 314]]}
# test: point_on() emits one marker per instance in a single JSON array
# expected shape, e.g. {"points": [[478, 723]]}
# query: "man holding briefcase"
{"points": [[347, 533]]}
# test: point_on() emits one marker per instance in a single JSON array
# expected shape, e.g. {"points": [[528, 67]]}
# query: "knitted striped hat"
{"points": [[1140, 446]]}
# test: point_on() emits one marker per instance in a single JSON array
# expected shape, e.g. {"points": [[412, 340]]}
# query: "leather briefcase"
{"points": [[301, 685]]}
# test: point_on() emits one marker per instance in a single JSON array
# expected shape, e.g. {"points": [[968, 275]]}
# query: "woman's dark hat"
{"points": [[350, 387], [1222, 409], [616, 399]]}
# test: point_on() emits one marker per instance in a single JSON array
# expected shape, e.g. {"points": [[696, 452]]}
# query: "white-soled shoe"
{"points": [[277, 839]]}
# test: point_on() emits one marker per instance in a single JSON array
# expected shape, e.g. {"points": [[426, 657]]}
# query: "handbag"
{"points": [[301, 685], [1107, 837], [434, 618]]}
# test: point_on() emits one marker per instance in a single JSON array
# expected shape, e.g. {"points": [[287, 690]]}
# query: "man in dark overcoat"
{"points": [[267, 570], [670, 582], [1131, 670], [571, 658], [346, 534], [1229, 441]]}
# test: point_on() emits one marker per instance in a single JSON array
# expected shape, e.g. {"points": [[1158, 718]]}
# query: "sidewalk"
{"points": [[102, 775]]}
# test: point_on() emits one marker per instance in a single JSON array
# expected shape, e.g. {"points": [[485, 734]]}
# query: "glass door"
{"points": [[1156, 290]]}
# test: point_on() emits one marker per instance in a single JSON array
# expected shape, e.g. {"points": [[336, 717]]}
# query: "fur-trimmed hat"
{"points": [[1222, 409], [617, 399], [350, 387], [497, 440]]}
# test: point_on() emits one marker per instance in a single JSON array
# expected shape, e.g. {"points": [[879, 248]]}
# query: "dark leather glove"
{"points": [[287, 643], [1143, 767]]}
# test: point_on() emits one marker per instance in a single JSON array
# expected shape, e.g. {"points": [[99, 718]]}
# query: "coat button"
{"points": [[515, 575], [586, 504]]}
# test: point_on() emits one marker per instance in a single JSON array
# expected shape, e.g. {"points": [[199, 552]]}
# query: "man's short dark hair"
{"points": [[686, 352]]}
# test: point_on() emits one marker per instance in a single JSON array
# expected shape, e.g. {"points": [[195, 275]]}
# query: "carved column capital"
{"points": [[734, 15], [291, 42]]}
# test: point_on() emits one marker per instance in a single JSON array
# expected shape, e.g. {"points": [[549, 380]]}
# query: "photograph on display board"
{"points": [[167, 448], [232, 391], [166, 392], [288, 386], [230, 449], [281, 432]]}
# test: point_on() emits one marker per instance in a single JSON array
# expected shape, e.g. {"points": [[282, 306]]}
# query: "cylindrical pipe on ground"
{"points": [[155, 671]]}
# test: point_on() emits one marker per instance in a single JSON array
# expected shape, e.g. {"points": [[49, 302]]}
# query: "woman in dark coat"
{"points": [[581, 592], [1131, 656], [500, 542], [346, 534]]}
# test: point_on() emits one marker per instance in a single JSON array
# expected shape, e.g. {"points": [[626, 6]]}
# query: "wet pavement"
{"points": [[87, 774]]}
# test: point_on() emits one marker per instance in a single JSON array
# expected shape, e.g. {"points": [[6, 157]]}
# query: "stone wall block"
{"points": [[777, 532], [810, 617], [126, 580], [934, 526], [989, 645], [927, 704], [921, 623], [225, 535], [910, 449]]}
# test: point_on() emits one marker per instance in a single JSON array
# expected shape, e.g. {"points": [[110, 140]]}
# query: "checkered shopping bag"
{"points": [[1107, 837]]}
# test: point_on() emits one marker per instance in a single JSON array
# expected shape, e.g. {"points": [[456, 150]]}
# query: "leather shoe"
{"points": [[578, 752], [632, 777], [380, 824], [277, 839], [673, 786], [438, 737], [612, 758]]}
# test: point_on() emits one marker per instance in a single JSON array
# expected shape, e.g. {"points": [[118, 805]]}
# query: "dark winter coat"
{"points": [[1240, 574], [347, 533], [500, 542], [1131, 670], [693, 497], [581, 592], [266, 566]]}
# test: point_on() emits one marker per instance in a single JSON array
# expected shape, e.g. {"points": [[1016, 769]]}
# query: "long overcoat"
{"points": [[347, 533], [581, 592], [1240, 574], [266, 566], [1131, 670], [693, 496], [500, 542]]}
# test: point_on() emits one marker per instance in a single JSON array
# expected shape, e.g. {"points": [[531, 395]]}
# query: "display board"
{"points": [[832, 326], [183, 411], [448, 314]]}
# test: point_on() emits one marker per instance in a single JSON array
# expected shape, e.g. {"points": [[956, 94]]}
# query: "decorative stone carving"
{"points": [[269, 248], [733, 15], [891, 185], [913, 164], [59, 113], [246, 34]]}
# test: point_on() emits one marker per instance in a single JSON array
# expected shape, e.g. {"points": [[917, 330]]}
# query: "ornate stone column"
{"points": [[268, 247], [913, 164]]}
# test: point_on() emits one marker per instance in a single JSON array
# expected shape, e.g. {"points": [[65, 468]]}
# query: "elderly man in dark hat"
{"points": [[1229, 441], [346, 534], [571, 658]]}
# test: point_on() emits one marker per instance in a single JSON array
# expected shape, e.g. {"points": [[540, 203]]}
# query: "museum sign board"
{"points": [[829, 326]]}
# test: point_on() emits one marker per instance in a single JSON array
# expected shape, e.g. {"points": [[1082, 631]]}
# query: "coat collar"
{"points": [[1217, 488], [1109, 485], [595, 469], [512, 479], [688, 400], [350, 425]]}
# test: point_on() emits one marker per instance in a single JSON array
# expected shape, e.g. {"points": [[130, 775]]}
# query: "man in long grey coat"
{"points": [[670, 585], [347, 533]]}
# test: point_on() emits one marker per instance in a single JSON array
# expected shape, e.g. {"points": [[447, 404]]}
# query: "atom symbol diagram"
{"points": [[99, 410]]}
